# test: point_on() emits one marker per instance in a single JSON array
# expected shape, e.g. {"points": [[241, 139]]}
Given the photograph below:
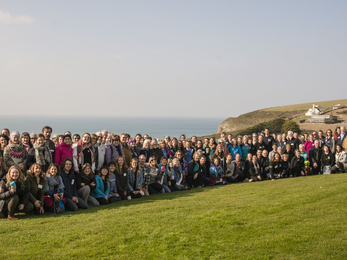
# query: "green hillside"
{"points": [[306, 106], [298, 218]]}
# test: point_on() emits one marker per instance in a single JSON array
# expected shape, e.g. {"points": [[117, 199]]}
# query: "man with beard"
{"points": [[126, 149], [145, 173], [47, 131]]}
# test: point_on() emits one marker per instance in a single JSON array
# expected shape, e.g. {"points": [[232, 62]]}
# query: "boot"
{"points": [[9, 217]]}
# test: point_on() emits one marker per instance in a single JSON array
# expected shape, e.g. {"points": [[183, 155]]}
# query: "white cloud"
{"points": [[6, 17]]}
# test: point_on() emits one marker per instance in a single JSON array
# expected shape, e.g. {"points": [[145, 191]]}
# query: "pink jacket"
{"points": [[62, 152]]}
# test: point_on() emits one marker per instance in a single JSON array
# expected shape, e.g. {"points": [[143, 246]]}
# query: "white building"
{"points": [[315, 110]]}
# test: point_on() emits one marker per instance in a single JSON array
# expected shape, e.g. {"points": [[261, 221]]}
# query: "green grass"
{"points": [[299, 218], [306, 106]]}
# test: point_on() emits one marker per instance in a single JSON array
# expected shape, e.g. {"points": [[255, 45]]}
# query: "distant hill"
{"points": [[293, 112]]}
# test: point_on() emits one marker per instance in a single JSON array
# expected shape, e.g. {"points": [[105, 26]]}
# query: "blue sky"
{"points": [[169, 58]]}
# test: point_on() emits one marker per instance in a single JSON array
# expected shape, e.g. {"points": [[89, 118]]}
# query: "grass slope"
{"points": [[301, 218], [306, 106]]}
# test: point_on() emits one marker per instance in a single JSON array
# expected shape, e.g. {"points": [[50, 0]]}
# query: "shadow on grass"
{"points": [[122, 203]]}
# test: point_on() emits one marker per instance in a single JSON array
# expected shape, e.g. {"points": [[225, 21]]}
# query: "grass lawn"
{"points": [[301, 218]]}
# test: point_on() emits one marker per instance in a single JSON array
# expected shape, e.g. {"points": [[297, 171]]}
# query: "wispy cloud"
{"points": [[170, 47], [6, 17]]}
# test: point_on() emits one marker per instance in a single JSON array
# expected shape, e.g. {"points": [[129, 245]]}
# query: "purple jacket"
{"points": [[112, 153]]}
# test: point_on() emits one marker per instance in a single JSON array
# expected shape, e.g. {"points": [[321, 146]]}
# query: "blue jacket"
{"points": [[131, 180], [99, 191], [217, 171], [113, 185], [178, 176], [235, 150], [146, 152]]}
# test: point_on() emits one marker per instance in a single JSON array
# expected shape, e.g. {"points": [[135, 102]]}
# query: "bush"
{"points": [[290, 126]]}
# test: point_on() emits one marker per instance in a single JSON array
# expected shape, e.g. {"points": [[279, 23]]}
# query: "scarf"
{"points": [[80, 147], [212, 146], [53, 181], [42, 154], [256, 167], [27, 147]]}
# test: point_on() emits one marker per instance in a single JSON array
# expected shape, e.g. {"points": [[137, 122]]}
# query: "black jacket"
{"points": [[122, 181], [294, 143], [69, 181], [87, 180], [328, 159], [297, 165], [315, 155], [275, 168]]}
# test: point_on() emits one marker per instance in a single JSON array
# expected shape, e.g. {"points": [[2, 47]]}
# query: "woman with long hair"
{"points": [[83, 153], [122, 178], [54, 187], [340, 160], [101, 192], [40, 153], [15, 194], [73, 201], [155, 175], [135, 179], [37, 180], [86, 184], [216, 173]]}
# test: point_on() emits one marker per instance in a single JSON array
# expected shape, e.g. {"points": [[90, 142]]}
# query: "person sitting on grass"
{"points": [[216, 173], [37, 180], [54, 187], [229, 168], [276, 168], [167, 181], [297, 165], [177, 174], [327, 160], [254, 170], [194, 177], [14, 194], [122, 178], [73, 201], [135, 179], [86, 184], [113, 195], [156, 175], [340, 160], [102, 189]]}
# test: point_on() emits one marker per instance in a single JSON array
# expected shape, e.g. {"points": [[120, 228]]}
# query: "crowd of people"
{"points": [[67, 172]]}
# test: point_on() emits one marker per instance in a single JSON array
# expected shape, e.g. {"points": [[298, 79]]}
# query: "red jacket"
{"points": [[62, 152]]}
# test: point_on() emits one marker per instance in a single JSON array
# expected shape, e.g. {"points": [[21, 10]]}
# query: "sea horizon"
{"points": [[156, 127]]}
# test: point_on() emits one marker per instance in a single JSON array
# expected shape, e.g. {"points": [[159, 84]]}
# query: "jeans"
{"points": [[84, 193], [155, 188], [166, 188], [72, 206], [327, 169]]}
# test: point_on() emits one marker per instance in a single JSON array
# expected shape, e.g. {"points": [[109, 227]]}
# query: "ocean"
{"points": [[156, 127]]}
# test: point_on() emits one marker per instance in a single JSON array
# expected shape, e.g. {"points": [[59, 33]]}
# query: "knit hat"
{"points": [[33, 135], [66, 136], [13, 133], [132, 140]]}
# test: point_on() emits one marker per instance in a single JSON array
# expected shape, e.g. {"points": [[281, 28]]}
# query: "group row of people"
{"points": [[70, 172]]}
